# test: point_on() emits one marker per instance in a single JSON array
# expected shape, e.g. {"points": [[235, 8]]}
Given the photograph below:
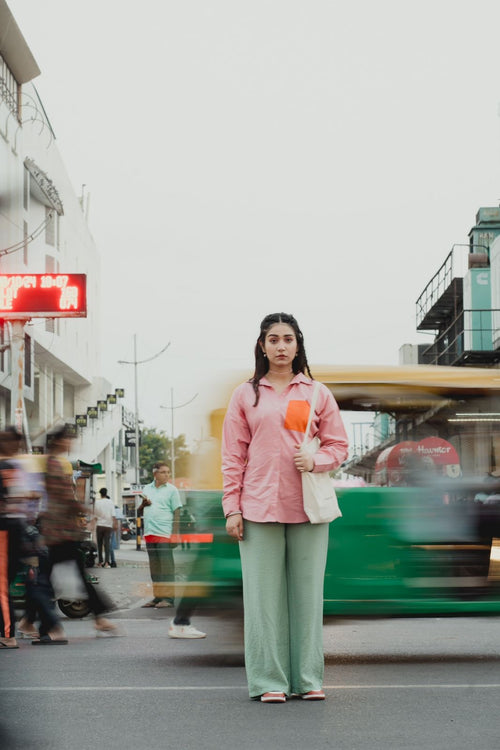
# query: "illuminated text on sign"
{"points": [[38, 295]]}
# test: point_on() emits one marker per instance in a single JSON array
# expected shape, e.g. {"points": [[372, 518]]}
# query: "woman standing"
{"points": [[283, 556]]}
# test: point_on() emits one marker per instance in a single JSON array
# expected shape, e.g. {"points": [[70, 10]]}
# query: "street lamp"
{"points": [[136, 362], [361, 425], [172, 407]]}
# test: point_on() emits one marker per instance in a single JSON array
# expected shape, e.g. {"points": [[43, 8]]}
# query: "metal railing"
{"points": [[473, 330], [454, 267], [8, 97]]}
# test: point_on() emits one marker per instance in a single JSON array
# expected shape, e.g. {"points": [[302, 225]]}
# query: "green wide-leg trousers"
{"points": [[283, 575]]}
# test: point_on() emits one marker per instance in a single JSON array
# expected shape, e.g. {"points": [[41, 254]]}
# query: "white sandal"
{"points": [[273, 697]]}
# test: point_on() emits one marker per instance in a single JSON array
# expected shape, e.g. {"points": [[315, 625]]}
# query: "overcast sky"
{"points": [[318, 157]]}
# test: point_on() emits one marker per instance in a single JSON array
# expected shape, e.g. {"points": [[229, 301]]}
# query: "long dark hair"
{"points": [[299, 363]]}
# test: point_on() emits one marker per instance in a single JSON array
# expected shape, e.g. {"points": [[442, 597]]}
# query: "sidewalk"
{"points": [[129, 584], [128, 553]]}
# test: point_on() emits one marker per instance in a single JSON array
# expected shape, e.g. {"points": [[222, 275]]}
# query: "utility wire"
{"points": [[36, 233], [141, 361]]}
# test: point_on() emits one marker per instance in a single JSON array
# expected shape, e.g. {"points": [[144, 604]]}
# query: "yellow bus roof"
{"points": [[406, 386], [421, 375], [399, 387], [395, 389]]}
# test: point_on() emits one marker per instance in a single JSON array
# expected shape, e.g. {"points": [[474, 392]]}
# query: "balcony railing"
{"points": [[454, 267], [470, 339], [9, 88]]}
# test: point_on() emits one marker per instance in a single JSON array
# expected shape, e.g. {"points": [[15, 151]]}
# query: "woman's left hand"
{"points": [[302, 460]]}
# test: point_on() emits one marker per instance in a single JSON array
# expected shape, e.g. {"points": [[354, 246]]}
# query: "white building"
{"points": [[44, 230]]}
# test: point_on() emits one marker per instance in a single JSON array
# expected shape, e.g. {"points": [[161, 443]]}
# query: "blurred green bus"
{"points": [[420, 502]]}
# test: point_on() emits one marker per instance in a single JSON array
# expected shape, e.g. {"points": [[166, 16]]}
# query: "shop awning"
{"points": [[91, 468]]}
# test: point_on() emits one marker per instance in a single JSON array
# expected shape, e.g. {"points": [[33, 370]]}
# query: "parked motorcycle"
{"points": [[128, 530], [89, 549]]}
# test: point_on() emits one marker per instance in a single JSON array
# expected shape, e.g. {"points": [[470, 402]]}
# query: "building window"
{"points": [[26, 189], [50, 267], [3, 351], [27, 360], [9, 88], [50, 227], [25, 240]]}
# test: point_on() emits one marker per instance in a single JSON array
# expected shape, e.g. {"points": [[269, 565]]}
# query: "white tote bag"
{"points": [[320, 500], [67, 582]]}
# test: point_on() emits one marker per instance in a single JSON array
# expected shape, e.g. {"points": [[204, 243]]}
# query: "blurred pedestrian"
{"points": [[105, 515], [161, 508], [283, 555], [64, 522], [115, 536], [40, 598], [180, 626], [12, 529], [186, 526]]}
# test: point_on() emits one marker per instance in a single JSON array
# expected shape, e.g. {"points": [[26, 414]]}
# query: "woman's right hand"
{"points": [[234, 526]]}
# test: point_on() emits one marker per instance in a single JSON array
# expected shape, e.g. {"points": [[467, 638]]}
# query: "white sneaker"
{"points": [[184, 631]]}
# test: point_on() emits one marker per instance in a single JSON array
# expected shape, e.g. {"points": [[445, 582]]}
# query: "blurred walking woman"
{"points": [[12, 525], [63, 526], [283, 556]]}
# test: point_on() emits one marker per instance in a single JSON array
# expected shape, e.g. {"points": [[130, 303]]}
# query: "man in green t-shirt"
{"points": [[161, 505]]}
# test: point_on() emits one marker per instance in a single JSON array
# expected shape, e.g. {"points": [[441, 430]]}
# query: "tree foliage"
{"points": [[155, 446]]}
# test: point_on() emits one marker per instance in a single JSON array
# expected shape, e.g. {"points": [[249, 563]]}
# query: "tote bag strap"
{"points": [[311, 410]]}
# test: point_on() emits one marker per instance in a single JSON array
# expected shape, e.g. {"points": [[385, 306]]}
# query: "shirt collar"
{"points": [[299, 378]]}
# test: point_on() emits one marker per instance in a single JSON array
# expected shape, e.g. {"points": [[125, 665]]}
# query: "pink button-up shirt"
{"points": [[259, 443]]}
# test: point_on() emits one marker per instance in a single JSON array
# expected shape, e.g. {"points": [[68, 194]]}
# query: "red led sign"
{"points": [[43, 295]]}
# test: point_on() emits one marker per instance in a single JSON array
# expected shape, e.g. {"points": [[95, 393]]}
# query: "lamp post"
{"points": [[136, 362], [361, 426], [172, 407]]}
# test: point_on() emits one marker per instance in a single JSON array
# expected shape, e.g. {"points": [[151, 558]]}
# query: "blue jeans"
{"points": [[40, 596]]}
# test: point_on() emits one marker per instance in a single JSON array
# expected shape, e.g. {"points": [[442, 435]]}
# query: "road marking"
{"points": [[166, 688], [444, 686], [119, 688]]}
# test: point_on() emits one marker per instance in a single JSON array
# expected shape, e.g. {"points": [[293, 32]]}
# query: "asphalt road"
{"points": [[390, 683]]}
